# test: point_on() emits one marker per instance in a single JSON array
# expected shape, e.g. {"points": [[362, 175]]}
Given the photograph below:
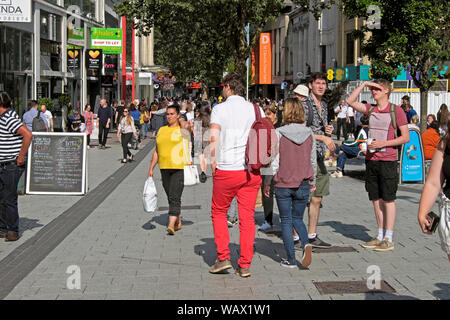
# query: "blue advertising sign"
{"points": [[412, 167]]}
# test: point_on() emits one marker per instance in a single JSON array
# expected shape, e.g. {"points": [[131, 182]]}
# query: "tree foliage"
{"points": [[412, 33], [197, 39]]}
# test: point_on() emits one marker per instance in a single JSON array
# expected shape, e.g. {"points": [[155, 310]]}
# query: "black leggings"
{"points": [[88, 139], [173, 184], [126, 137], [268, 202]]}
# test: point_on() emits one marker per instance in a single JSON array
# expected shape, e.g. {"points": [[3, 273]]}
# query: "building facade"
{"points": [[34, 51]]}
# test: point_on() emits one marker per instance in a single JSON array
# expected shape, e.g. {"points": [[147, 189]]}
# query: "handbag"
{"points": [[191, 177]]}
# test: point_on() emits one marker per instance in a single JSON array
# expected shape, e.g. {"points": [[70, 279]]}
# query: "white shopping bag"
{"points": [[149, 196]]}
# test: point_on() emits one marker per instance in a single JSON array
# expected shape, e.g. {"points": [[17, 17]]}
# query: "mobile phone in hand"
{"points": [[433, 218]]}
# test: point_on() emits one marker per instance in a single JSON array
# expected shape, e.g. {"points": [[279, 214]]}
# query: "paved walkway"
{"points": [[124, 253]]}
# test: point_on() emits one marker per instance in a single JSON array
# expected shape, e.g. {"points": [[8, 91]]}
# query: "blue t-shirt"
{"points": [[136, 115], [30, 115]]}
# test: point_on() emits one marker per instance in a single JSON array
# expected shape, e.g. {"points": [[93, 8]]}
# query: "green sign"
{"points": [[107, 39], [75, 36]]}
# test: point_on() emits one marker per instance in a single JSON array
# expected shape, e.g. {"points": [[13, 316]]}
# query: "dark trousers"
{"points": [[102, 134], [173, 184], [126, 138], [351, 125], [9, 213], [341, 123], [268, 202], [88, 139]]}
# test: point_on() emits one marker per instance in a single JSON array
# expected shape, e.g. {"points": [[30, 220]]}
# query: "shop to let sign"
{"points": [[15, 10], [107, 39]]}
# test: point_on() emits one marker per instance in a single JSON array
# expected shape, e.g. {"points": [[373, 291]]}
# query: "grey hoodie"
{"points": [[297, 146]]}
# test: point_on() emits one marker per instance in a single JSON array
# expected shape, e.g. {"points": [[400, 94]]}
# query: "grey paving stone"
{"points": [[125, 253]]}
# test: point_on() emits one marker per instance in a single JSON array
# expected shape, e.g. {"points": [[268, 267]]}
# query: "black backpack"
{"points": [[38, 124]]}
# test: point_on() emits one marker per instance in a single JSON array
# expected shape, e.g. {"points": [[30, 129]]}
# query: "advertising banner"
{"points": [[73, 58], [412, 167], [75, 36], [265, 59], [94, 62], [107, 39], [15, 10]]}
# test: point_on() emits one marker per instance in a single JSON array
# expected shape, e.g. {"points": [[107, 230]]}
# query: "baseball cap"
{"points": [[302, 90]]}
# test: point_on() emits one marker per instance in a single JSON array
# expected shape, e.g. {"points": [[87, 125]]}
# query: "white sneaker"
{"points": [[265, 226], [337, 174], [296, 238]]}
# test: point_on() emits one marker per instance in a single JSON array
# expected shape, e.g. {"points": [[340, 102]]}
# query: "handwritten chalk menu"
{"points": [[57, 164]]}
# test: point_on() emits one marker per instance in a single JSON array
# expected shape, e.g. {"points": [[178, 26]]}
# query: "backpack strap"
{"points": [[39, 112], [393, 119], [257, 112]]}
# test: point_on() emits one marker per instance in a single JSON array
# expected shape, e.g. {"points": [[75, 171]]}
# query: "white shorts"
{"points": [[444, 224]]}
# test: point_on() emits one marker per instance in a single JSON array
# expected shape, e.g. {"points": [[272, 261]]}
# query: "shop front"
{"points": [[16, 69]]}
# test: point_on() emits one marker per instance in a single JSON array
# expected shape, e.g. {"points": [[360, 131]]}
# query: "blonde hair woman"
{"points": [[124, 133]]}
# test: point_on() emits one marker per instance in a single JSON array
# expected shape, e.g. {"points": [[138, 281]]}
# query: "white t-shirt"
{"points": [[342, 111], [48, 116], [190, 115], [350, 112], [235, 117]]}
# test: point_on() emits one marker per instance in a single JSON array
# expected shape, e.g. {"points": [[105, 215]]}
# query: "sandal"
{"points": [[131, 158], [170, 231], [178, 228]]}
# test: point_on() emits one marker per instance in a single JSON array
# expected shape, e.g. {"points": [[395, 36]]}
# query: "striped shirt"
{"points": [[10, 140]]}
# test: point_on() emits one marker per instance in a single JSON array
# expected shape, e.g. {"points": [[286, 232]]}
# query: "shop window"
{"points": [[26, 50], [86, 6], [350, 59]]}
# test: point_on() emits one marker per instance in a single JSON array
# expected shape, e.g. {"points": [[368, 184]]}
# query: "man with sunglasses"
{"points": [[381, 164], [15, 138]]}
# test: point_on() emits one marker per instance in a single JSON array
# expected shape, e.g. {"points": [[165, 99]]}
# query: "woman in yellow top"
{"points": [[144, 121], [170, 155]]}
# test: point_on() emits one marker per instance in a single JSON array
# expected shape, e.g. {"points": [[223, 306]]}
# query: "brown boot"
{"points": [[12, 236]]}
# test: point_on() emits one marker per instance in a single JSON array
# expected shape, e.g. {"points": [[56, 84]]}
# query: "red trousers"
{"points": [[244, 186]]}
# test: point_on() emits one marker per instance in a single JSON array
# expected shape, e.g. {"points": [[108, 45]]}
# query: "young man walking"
{"points": [[230, 126], [318, 122], [381, 158], [16, 139]]}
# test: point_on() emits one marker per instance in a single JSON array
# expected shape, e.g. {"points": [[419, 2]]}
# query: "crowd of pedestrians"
{"points": [[296, 177]]}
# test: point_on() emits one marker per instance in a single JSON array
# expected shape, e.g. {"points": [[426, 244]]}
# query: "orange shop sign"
{"points": [[265, 58]]}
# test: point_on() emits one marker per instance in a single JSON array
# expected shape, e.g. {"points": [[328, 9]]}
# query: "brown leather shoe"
{"points": [[12, 236], [3, 234], [243, 272]]}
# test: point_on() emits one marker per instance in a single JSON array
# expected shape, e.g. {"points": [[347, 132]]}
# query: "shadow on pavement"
{"points": [[274, 251], [387, 296], [209, 253], [409, 199], [29, 224], [163, 220], [352, 231], [444, 292]]}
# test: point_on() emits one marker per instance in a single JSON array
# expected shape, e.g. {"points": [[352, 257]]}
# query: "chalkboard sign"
{"points": [[57, 164]]}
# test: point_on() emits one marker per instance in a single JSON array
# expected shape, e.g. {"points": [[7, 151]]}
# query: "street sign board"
{"points": [[15, 10], [107, 39]]}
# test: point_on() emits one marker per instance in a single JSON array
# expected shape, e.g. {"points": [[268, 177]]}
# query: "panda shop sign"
{"points": [[15, 10]]}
